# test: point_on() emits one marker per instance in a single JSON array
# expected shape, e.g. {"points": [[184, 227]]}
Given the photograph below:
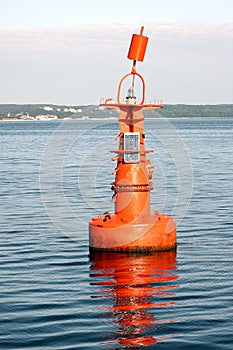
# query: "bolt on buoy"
{"points": [[132, 228]]}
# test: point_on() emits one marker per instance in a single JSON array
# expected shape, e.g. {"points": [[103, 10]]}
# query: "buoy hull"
{"points": [[150, 233]]}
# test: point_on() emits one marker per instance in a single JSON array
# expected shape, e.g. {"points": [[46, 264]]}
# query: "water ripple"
{"points": [[53, 296]]}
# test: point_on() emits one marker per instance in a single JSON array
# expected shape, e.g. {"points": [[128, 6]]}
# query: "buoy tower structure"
{"points": [[133, 227]]}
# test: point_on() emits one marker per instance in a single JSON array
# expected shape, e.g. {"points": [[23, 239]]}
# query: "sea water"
{"points": [[54, 177]]}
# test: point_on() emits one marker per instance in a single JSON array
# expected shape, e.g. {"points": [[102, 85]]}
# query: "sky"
{"points": [[75, 52]]}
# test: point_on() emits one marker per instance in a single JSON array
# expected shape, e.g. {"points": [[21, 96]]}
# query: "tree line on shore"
{"points": [[93, 111]]}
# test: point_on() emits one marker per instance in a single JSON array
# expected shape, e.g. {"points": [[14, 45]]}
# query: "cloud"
{"points": [[83, 63], [115, 36]]}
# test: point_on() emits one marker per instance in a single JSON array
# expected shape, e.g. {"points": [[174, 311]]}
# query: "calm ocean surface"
{"points": [[54, 177]]}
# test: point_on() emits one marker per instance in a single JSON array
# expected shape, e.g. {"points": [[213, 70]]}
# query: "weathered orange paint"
{"points": [[153, 232], [133, 227]]}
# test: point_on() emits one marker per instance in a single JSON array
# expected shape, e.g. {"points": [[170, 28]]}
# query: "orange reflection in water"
{"points": [[136, 284]]}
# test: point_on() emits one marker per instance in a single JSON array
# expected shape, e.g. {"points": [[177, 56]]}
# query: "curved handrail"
{"points": [[120, 84]]}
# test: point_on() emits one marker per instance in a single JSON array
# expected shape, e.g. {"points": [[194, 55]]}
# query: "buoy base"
{"points": [[153, 232]]}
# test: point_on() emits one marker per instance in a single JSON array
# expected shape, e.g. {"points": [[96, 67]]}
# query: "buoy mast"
{"points": [[132, 227]]}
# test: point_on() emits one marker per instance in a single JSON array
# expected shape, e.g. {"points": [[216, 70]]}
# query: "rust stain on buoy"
{"points": [[132, 227]]}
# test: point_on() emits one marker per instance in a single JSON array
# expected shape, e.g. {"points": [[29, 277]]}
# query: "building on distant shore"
{"points": [[46, 117], [48, 108], [26, 117]]}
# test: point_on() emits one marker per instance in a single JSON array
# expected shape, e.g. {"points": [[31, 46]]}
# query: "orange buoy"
{"points": [[132, 227]]}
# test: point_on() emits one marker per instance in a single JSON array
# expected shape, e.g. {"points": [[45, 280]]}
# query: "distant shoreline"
{"points": [[33, 112], [112, 119]]}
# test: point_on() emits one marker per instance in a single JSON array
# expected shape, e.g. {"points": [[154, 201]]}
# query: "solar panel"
{"points": [[131, 144]]}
